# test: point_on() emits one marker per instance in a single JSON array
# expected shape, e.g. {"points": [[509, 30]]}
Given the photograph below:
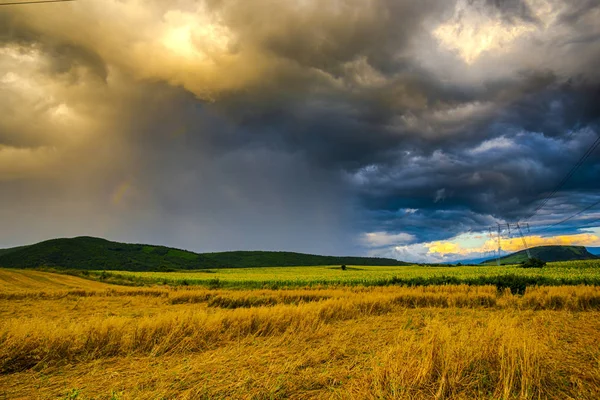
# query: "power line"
{"points": [[574, 169], [567, 177], [572, 216], [34, 2], [524, 241], [588, 222]]}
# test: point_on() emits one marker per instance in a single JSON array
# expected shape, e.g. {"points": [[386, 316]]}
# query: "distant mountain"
{"points": [[546, 253], [594, 250], [89, 253], [469, 261]]}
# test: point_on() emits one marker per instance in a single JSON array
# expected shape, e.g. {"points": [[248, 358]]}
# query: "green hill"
{"points": [[89, 253], [10, 250], [546, 253]]}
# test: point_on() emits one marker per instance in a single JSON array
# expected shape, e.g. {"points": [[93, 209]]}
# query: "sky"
{"points": [[392, 128]]}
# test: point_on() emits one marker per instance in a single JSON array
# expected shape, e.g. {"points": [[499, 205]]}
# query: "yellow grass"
{"points": [[12, 281], [70, 340]]}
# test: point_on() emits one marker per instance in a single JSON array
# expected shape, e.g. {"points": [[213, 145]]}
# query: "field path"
{"points": [[13, 281]]}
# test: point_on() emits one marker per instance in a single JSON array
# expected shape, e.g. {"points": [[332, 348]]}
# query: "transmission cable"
{"points": [[588, 222], [574, 169], [571, 217], [15, 3]]}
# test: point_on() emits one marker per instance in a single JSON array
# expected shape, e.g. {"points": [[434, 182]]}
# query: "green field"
{"points": [[512, 276]]}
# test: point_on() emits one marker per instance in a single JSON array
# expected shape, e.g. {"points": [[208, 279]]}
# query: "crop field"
{"points": [[559, 273], [63, 337], [12, 281]]}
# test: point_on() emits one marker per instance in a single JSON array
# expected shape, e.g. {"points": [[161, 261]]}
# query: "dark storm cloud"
{"points": [[502, 177], [513, 9], [378, 31], [300, 125], [578, 10], [62, 55]]}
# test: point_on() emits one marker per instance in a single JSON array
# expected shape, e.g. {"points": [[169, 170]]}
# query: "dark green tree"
{"points": [[533, 263]]}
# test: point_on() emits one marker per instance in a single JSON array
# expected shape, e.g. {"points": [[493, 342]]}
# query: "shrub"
{"points": [[533, 263]]}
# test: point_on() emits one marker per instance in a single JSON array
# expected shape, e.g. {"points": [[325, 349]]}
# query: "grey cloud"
{"points": [[338, 127], [578, 9], [513, 9]]}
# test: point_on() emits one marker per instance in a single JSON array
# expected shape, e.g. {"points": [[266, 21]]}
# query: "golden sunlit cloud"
{"points": [[513, 244], [189, 48], [445, 248], [471, 32], [45, 115], [583, 239], [193, 36]]}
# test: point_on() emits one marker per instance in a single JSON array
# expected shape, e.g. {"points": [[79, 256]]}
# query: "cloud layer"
{"points": [[346, 127]]}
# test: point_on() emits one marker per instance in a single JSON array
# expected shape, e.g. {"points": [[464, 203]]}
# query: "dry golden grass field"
{"points": [[68, 338]]}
